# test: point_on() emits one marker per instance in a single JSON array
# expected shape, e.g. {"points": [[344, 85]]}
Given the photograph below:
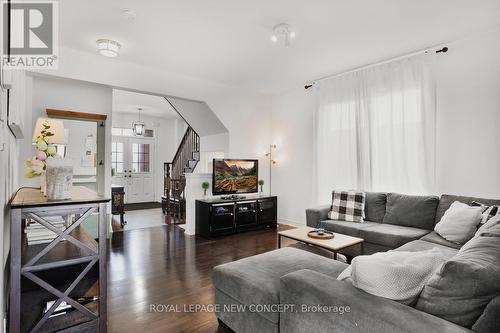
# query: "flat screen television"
{"points": [[231, 176]]}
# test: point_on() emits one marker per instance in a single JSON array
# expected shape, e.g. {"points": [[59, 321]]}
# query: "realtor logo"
{"points": [[30, 34]]}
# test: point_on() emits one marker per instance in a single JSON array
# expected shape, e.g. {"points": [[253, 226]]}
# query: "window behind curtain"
{"points": [[375, 130]]}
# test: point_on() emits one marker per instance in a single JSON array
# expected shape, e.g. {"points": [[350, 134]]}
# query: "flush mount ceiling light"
{"points": [[138, 126], [108, 47], [284, 33]]}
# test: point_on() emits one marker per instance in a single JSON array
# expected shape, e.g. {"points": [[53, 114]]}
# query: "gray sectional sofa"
{"points": [[249, 291], [393, 219]]}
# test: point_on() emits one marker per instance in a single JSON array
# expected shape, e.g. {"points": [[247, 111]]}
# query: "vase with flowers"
{"points": [[45, 150]]}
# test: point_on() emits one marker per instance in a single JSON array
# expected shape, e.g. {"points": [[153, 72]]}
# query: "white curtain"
{"points": [[375, 130]]}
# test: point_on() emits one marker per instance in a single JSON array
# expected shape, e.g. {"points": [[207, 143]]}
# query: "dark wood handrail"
{"points": [[185, 160], [181, 145], [188, 145]]}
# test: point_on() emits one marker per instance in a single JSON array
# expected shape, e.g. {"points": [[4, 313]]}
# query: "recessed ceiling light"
{"points": [[108, 47]]}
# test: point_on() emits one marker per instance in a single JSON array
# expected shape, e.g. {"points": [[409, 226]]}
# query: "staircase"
{"points": [[185, 160]]}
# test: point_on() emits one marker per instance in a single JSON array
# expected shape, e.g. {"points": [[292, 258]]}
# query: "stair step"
{"points": [[188, 170], [191, 164], [196, 155]]}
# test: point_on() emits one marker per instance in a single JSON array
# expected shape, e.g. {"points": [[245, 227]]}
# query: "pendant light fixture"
{"points": [[138, 126]]}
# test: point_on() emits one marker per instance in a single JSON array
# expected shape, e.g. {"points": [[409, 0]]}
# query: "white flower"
{"points": [[37, 166]]}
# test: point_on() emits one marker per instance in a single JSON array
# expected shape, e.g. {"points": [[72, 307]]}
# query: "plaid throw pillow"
{"points": [[488, 212], [347, 206]]}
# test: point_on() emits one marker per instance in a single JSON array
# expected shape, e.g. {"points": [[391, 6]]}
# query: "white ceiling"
{"points": [[154, 106], [227, 41]]}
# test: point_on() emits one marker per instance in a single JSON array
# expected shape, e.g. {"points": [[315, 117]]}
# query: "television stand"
{"points": [[233, 197], [218, 216]]}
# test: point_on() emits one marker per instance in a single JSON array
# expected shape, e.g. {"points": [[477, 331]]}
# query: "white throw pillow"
{"points": [[459, 222], [397, 275]]}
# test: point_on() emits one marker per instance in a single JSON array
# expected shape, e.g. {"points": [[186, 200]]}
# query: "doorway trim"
{"points": [[127, 141], [56, 113]]}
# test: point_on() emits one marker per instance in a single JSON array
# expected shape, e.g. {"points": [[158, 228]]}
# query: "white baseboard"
{"points": [[291, 222]]}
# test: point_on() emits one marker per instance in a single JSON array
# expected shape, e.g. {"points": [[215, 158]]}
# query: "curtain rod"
{"points": [[408, 55]]}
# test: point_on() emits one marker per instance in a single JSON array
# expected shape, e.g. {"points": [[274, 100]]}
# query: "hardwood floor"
{"points": [[161, 265], [142, 218]]}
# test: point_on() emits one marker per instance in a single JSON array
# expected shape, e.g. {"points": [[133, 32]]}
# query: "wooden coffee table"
{"points": [[335, 244]]}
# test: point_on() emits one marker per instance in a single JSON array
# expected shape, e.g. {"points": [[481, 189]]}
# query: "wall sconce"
{"points": [[271, 163]]}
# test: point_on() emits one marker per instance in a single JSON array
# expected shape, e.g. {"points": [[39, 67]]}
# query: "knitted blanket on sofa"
{"points": [[397, 275]]}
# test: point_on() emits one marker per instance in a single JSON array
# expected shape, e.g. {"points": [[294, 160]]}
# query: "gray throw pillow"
{"points": [[375, 206], [418, 211], [465, 284], [459, 222]]}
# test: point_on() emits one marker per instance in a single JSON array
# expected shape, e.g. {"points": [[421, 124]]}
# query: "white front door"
{"points": [[140, 173], [132, 159]]}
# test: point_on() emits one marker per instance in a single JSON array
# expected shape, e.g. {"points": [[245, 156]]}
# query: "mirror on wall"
{"points": [[81, 147]]}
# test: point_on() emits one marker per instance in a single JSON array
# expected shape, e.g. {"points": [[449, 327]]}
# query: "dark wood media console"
{"points": [[216, 217]]}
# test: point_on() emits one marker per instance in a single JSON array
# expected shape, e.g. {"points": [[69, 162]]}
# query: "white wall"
{"points": [[193, 193], [292, 127], [10, 168], [468, 114], [212, 146], [199, 116], [180, 129], [206, 161], [468, 135]]}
